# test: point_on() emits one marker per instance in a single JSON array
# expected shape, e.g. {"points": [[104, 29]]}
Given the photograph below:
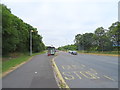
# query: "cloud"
{"points": [[58, 21], [71, 1]]}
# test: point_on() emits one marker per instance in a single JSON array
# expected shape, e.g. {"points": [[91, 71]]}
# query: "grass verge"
{"points": [[8, 64], [106, 53]]}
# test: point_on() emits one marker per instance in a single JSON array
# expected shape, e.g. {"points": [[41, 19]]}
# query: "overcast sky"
{"points": [[58, 21]]}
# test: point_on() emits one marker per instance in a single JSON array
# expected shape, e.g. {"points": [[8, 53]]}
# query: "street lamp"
{"points": [[119, 11], [31, 42]]}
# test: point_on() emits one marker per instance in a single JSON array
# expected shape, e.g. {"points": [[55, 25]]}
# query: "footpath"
{"points": [[37, 73]]}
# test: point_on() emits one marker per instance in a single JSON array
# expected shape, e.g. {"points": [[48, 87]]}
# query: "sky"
{"points": [[58, 21]]}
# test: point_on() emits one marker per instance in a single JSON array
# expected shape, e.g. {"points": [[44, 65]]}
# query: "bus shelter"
{"points": [[51, 51]]}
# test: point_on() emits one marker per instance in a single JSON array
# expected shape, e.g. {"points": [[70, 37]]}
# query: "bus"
{"points": [[51, 50]]}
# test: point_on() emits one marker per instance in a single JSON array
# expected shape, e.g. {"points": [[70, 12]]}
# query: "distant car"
{"points": [[74, 52], [69, 51], [57, 50]]}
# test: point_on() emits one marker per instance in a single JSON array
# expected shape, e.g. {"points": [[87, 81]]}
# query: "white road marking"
{"points": [[35, 72]]}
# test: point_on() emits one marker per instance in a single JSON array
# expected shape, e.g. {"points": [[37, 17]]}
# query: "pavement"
{"points": [[37, 73], [88, 71]]}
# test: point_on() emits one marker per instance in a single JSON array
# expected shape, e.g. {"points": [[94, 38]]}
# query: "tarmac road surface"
{"points": [[88, 71]]}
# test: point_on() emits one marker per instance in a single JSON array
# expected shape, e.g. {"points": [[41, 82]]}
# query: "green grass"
{"points": [[6, 65], [99, 52]]}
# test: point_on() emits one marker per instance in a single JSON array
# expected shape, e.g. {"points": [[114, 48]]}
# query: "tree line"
{"points": [[16, 34], [68, 47], [101, 40]]}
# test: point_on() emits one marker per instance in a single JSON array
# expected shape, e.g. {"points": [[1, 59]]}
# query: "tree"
{"points": [[9, 32], [100, 38], [114, 34], [16, 34], [77, 41], [84, 42], [68, 47]]}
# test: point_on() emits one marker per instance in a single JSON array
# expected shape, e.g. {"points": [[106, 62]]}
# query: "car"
{"points": [[74, 52], [69, 51]]}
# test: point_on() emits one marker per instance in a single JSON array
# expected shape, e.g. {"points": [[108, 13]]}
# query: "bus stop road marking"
{"points": [[62, 83], [108, 78]]}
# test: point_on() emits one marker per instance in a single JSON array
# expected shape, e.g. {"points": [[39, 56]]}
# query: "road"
{"points": [[88, 71], [37, 73], [79, 71]]}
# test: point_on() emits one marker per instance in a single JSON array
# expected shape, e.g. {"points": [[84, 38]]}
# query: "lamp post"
{"points": [[119, 11], [31, 42]]}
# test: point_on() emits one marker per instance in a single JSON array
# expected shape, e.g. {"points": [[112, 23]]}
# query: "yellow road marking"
{"points": [[93, 75], [74, 66], [93, 70], [67, 67], [61, 81], [83, 74], [83, 65], [68, 76], [63, 67], [77, 74], [108, 78]]}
